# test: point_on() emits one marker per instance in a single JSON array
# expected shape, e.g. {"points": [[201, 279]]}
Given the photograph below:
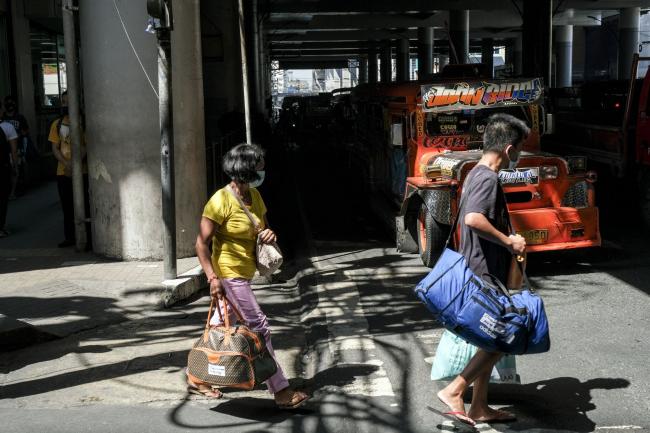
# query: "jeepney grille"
{"points": [[576, 195]]}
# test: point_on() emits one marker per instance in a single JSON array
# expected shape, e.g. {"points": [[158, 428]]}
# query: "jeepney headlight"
{"points": [[548, 172], [576, 164]]}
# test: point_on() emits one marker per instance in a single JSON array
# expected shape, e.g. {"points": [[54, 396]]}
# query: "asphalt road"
{"points": [[368, 343]]}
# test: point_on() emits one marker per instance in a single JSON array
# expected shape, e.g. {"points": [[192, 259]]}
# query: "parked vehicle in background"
{"points": [[609, 122], [418, 140]]}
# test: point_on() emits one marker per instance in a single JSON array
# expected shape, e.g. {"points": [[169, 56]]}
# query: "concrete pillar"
{"points": [[425, 51], [189, 123], [403, 60], [372, 65], [487, 54], [537, 37], [563, 56], [23, 55], [122, 129], [444, 61], [628, 36], [386, 65], [517, 56], [459, 35], [363, 70]]}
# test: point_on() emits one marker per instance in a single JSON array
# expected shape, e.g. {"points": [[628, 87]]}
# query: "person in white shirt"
{"points": [[8, 158]]}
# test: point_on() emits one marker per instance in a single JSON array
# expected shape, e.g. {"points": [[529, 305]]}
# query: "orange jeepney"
{"points": [[419, 140]]}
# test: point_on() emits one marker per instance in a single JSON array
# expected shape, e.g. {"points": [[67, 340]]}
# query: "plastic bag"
{"points": [[453, 354]]}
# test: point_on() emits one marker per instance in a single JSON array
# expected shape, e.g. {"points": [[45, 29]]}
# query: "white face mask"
{"points": [[257, 183], [513, 162]]}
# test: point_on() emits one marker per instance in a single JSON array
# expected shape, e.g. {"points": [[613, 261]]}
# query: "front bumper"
{"points": [[566, 228]]}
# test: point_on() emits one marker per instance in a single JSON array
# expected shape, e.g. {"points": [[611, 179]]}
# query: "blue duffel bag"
{"points": [[481, 310]]}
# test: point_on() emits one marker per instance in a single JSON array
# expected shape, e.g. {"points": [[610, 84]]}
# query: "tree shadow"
{"points": [[561, 403]]}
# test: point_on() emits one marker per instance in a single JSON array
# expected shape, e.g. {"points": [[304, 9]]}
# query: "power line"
{"points": [[126, 33]]}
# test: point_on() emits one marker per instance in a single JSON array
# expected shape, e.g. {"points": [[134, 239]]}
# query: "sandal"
{"points": [[297, 399], [204, 390]]}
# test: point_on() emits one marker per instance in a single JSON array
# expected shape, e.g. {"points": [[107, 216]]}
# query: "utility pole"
{"points": [[161, 12], [244, 71], [72, 70]]}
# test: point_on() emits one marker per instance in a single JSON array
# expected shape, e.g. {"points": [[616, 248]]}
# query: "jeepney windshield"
{"points": [[469, 122]]}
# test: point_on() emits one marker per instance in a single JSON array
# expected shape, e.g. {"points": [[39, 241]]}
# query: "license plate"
{"points": [[534, 237]]}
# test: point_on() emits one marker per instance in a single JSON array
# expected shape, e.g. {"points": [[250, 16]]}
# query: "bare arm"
{"points": [[267, 235], [58, 155], [207, 230], [14, 149], [482, 226]]}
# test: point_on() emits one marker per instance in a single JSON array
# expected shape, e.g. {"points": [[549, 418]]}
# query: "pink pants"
{"points": [[239, 292]]}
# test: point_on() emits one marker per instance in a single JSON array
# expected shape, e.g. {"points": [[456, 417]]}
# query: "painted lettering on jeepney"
{"points": [[446, 165], [534, 114], [447, 141], [419, 123], [462, 96]]}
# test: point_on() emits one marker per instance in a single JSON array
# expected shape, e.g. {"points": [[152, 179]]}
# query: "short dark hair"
{"points": [[240, 162], [503, 130]]}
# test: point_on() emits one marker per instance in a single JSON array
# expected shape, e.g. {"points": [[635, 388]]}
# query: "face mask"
{"points": [[257, 183], [513, 162], [64, 110]]}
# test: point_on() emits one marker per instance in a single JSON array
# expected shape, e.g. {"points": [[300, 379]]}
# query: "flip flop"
{"points": [[297, 399], [205, 392], [453, 416], [502, 417]]}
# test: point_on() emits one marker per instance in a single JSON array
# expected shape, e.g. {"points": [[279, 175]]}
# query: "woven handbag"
{"points": [[268, 256], [229, 356]]}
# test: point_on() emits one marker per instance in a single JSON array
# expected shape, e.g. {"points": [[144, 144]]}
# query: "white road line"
{"points": [[349, 339], [620, 427]]}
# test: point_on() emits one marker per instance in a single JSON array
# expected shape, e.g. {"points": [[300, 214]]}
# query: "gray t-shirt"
{"points": [[484, 195]]}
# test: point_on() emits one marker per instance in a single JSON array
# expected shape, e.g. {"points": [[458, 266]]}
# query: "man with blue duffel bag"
{"points": [[488, 249]]}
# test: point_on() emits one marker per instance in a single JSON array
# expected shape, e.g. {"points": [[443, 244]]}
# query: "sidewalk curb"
{"points": [[15, 334], [183, 287]]}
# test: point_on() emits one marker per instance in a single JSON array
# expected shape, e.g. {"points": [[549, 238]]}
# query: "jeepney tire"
{"points": [[431, 237], [644, 186]]}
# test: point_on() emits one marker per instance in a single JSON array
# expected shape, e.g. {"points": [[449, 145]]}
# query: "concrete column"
{"points": [[517, 56], [23, 53], [363, 70], [386, 64], [425, 51], [459, 35], [122, 129], [487, 54], [372, 65], [537, 37], [444, 61], [189, 123], [563, 55], [403, 60], [628, 36]]}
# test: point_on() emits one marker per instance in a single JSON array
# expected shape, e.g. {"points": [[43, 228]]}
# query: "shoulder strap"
{"points": [[463, 199], [244, 208]]}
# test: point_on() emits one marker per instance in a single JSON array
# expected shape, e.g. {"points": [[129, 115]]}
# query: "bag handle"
{"points": [[245, 209], [225, 320]]}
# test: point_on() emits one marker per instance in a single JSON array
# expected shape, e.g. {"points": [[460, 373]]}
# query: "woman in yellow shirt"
{"points": [[232, 265]]}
